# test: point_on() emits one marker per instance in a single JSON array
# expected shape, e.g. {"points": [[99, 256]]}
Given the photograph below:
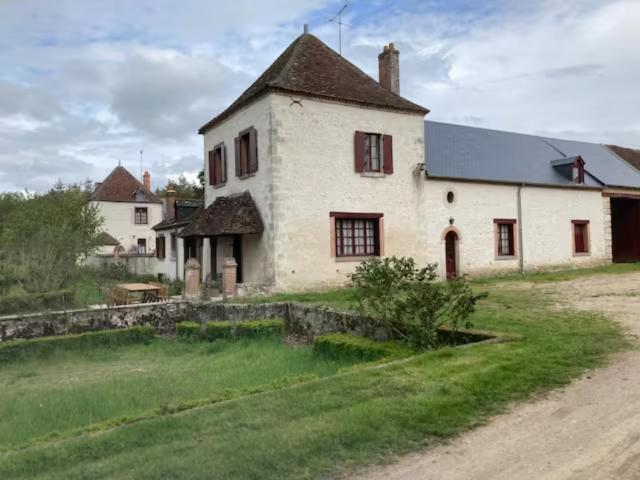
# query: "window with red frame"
{"points": [[505, 237], [580, 236], [357, 237]]}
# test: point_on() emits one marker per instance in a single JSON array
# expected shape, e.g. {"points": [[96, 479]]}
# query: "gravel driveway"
{"points": [[589, 430]]}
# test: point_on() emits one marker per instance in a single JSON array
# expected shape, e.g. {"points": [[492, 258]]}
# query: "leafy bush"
{"points": [[30, 302], [259, 328], [176, 287], [341, 346], [410, 301], [188, 331], [41, 347]]}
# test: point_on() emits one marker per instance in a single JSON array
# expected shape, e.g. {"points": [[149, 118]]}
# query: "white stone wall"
{"points": [[257, 251], [119, 222], [547, 231], [313, 175]]}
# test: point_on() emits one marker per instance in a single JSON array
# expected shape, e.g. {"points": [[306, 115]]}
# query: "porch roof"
{"points": [[232, 215]]}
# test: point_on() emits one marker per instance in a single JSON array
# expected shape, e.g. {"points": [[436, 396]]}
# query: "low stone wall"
{"points": [[299, 319], [162, 316]]}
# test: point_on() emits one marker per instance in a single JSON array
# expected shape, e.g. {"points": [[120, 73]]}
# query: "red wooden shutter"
{"points": [[359, 151], [212, 180], [223, 164], [239, 171], [253, 150], [387, 152]]}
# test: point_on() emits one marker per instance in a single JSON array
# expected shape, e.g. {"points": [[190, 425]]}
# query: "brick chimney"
{"points": [[170, 201], [389, 68], [146, 180]]}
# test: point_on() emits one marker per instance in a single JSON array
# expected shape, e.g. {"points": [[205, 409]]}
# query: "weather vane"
{"points": [[337, 18]]}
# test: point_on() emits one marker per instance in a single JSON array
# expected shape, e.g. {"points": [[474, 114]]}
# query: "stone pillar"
{"points": [[229, 277], [192, 290], [206, 258]]}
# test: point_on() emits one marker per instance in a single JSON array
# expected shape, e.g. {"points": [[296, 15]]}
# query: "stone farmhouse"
{"points": [[129, 209], [317, 166]]}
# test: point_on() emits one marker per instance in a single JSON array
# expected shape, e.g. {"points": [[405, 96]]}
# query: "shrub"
{"points": [[175, 287], [218, 330], [341, 346], [29, 302], [188, 331], [410, 301], [40, 347], [259, 328]]}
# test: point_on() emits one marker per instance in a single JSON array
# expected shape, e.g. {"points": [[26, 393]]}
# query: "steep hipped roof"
{"points": [[470, 153], [629, 154], [121, 186], [232, 215], [309, 67]]}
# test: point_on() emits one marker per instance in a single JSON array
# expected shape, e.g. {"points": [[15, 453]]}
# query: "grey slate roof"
{"points": [[472, 153]]}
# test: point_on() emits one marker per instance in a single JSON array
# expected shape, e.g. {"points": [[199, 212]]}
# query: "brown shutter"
{"points": [[236, 146], [211, 168], [223, 154], [253, 150], [387, 153], [359, 151], [157, 247]]}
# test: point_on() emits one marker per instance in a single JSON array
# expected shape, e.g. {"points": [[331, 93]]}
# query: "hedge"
{"points": [[226, 330], [29, 302], [259, 328], [351, 347], [218, 330], [188, 330], [44, 346]]}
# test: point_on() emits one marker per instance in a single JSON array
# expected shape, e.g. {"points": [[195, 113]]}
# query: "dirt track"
{"points": [[588, 431]]}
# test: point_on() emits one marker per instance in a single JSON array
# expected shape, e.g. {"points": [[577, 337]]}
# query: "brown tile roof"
{"points": [[309, 67], [232, 215], [629, 154], [121, 186]]}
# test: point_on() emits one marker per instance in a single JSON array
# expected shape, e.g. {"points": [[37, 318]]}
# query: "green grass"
{"points": [[70, 390], [326, 427]]}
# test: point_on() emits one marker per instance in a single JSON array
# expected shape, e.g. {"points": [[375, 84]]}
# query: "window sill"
{"points": [[219, 185], [506, 257], [583, 254], [361, 258], [246, 175], [373, 174]]}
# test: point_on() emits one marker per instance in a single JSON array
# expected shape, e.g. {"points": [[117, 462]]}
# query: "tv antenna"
{"points": [[141, 152], [337, 18]]}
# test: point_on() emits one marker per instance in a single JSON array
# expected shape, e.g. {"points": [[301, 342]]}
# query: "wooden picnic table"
{"points": [[127, 293]]}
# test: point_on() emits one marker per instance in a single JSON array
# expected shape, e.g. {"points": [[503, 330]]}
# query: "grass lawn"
{"points": [[76, 389], [328, 426]]}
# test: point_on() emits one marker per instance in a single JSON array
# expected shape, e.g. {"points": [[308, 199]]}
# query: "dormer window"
{"points": [[571, 168], [139, 195]]}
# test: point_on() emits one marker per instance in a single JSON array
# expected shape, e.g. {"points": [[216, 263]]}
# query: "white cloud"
{"points": [[84, 85]]}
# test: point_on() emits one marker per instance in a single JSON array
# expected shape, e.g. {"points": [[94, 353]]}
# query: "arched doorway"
{"points": [[450, 249]]}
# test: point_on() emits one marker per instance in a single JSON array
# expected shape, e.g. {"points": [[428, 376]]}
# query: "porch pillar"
{"points": [[192, 290], [229, 277], [206, 257]]}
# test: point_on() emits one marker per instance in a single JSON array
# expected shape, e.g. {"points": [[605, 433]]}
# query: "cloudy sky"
{"points": [[86, 84]]}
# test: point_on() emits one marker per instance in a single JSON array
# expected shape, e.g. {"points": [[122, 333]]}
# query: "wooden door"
{"points": [[450, 255]]}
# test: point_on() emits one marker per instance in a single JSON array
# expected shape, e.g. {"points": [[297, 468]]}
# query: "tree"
{"points": [[42, 236], [410, 302], [184, 188]]}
